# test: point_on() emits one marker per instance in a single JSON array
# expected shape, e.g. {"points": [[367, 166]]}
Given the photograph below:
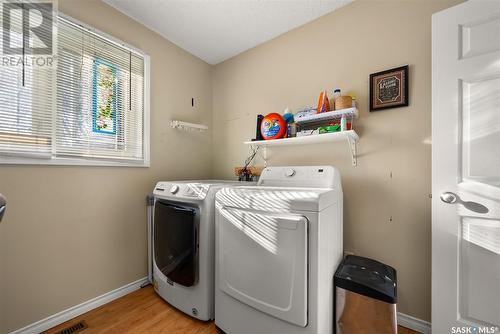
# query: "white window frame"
{"points": [[62, 161]]}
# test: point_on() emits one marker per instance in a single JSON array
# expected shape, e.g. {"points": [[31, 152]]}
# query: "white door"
{"points": [[263, 261], [466, 168]]}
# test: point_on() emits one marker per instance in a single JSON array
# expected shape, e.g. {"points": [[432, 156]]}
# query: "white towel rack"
{"points": [[188, 126]]}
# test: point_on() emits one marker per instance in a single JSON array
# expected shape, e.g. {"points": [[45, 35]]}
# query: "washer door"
{"points": [[175, 242], [263, 261]]}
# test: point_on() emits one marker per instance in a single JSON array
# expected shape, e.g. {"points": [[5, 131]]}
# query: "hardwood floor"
{"points": [[144, 312]]}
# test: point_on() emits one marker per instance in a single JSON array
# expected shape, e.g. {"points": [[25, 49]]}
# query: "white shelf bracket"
{"points": [[352, 148], [262, 151]]}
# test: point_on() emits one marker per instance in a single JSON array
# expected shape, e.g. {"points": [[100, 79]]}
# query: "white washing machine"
{"points": [[277, 247], [182, 244]]}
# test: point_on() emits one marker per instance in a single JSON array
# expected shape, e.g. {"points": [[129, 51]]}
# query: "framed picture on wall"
{"points": [[389, 89]]}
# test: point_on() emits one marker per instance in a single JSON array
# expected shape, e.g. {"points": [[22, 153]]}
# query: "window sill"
{"points": [[6, 160]]}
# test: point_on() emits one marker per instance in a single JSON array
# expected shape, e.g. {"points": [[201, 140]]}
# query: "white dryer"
{"points": [[277, 247], [182, 244]]}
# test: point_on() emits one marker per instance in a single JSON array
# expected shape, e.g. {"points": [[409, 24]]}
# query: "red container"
{"points": [[273, 126]]}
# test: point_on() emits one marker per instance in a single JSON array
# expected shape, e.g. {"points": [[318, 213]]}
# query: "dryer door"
{"points": [[263, 261]]}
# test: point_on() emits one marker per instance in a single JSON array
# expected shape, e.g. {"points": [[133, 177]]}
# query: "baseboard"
{"points": [[417, 325], [77, 310]]}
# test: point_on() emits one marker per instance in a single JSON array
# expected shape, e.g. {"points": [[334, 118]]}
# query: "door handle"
{"points": [[3, 205], [448, 197], [452, 198]]}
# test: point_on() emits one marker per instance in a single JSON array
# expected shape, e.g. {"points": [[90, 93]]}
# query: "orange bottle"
{"points": [[323, 103]]}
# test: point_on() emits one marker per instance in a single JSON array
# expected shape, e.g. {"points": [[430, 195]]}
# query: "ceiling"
{"points": [[215, 30]]}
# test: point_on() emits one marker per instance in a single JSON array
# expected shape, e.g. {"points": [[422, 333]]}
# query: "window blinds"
{"points": [[100, 107], [26, 100], [89, 106]]}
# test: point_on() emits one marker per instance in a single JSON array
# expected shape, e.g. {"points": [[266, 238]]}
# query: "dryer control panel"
{"points": [[300, 176]]}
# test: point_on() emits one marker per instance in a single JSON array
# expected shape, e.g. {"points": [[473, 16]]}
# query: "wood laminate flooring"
{"points": [[141, 312]]}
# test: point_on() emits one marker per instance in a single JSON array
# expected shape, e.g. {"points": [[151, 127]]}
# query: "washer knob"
{"points": [[174, 189], [290, 172]]}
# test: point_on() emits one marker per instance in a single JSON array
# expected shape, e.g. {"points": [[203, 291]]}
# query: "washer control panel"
{"points": [[181, 190]]}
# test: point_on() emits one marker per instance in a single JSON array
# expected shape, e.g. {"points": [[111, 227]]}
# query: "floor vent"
{"points": [[80, 326]]}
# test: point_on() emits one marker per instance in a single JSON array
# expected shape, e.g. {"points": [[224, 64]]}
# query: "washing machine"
{"points": [[182, 244], [277, 247]]}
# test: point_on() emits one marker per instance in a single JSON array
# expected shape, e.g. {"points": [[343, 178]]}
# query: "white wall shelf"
{"points": [[327, 116], [350, 136]]}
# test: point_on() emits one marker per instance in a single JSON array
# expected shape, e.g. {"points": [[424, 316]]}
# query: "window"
{"points": [[90, 109]]}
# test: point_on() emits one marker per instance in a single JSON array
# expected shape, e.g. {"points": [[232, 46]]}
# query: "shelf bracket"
{"points": [[263, 154], [352, 148]]}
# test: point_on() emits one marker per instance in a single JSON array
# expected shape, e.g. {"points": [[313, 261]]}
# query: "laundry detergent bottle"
{"points": [[273, 126]]}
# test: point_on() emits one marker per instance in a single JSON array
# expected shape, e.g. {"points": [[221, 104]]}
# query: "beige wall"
{"points": [[73, 233], [387, 203]]}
